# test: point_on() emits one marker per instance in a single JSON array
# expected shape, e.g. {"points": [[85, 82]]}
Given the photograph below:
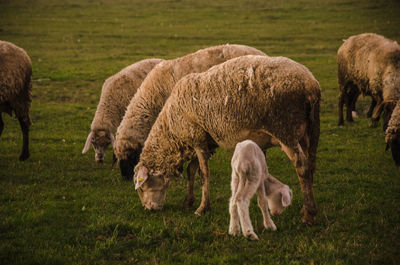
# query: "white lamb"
{"points": [[250, 175]]}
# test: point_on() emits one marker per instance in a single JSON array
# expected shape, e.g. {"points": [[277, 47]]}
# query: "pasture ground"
{"points": [[60, 207]]}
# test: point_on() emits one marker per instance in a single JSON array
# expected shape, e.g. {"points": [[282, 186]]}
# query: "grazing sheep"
{"points": [[15, 89], [116, 94], [250, 175], [393, 134], [155, 90], [270, 100], [369, 64]]}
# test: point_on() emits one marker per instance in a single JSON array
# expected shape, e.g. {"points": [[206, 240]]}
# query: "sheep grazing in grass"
{"points": [[16, 89], [270, 100], [393, 134], [116, 94], [250, 175], [369, 64], [154, 92]]}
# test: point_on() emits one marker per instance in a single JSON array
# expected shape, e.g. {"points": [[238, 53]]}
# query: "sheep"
{"points": [[155, 90], [16, 89], [392, 134], [270, 100], [369, 64], [116, 94], [250, 175]]}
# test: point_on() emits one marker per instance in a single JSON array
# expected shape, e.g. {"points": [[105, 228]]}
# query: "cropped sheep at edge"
{"points": [[369, 64], [16, 89], [393, 134]]}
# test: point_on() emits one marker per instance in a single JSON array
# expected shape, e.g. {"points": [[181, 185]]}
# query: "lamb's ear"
{"points": [[141, 177], [88, 143], [286, 197], [112, 140]]}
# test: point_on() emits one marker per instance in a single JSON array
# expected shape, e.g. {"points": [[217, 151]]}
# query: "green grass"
{"points": [[60, 207]]}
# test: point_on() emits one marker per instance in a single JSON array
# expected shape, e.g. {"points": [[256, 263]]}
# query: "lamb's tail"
{"points": [[313, 129]]}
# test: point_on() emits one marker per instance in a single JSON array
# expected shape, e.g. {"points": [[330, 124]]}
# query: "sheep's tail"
{"points": [[313, 129]]}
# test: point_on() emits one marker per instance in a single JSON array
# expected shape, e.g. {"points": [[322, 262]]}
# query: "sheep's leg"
{"points": [[191, 173], [234, 224], [242, 198], [341, 103], [371, 108], [202, 156], [377, 112], [348, 100], [296, 155], [25, 139], [354, 113], [1, 124], [263, 205]]}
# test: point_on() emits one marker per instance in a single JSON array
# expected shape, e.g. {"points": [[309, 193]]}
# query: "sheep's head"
{"points": [[100, 140], [127, 165], [279, 197], [151, 187]]}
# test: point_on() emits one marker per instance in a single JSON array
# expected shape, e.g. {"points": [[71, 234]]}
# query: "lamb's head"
{"points": [[279, 195], [128, 164], [100, 139], [152, 187]]}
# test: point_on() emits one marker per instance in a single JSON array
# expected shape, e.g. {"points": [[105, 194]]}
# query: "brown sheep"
{"points": [[15, 89], [153, 93], [116, 93], [368, 64], [272, 101]]}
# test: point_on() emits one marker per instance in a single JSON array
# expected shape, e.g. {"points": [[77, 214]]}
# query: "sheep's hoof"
{"points": [[188, 202], [308, 218], [202, 210], [252, 237], [373, 123], [24, 156]]}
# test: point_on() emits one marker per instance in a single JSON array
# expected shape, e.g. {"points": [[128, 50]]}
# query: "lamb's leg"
{"points": [[202, 156], [25, 138], [191, 173], [234, 224], [242, 199], [263, 205], [371, 108], [1, 124], [296, 155]]}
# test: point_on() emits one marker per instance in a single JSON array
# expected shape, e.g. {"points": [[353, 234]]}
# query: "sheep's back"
{"points": [[15, 71], [246, 93], [363, 59], [117, 92]]}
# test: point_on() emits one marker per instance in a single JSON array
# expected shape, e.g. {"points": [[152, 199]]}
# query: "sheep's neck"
{"points": [[162, 152]]}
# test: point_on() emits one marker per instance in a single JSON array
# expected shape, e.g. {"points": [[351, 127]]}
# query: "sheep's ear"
{"points": [[286, 197], [141, 177], [112, 140], [88, 143]]}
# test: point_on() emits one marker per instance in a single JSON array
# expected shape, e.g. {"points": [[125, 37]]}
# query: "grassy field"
{"points": [[60, 207]]}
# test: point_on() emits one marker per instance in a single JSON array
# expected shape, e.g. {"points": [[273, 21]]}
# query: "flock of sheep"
{"points": [[166, 112]]}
